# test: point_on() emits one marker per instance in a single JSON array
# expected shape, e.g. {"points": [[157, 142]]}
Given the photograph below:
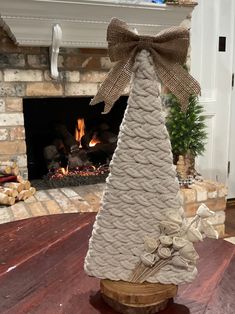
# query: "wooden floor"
{"points": [[230, 220], [41, 270]]}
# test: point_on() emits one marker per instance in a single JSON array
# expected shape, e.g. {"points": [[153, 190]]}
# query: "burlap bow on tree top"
{"points": [[169, 51]]}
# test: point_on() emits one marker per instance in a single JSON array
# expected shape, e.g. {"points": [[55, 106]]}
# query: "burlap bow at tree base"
{"points": [[169, 51]]}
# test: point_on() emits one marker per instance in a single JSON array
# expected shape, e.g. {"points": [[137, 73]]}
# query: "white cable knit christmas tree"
{"points": [[140, 233]]}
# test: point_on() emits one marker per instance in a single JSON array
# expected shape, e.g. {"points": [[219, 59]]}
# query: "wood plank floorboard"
{"points": [[49, 252], [230, 221], [215, 257], [223, 297], [22, 240]]}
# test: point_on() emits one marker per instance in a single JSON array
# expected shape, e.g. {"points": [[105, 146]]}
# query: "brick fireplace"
{"points": [[24, 74], [24, 70]]}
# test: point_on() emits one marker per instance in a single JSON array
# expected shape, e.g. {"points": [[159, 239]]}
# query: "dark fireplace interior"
{"points": [[67, 133]]}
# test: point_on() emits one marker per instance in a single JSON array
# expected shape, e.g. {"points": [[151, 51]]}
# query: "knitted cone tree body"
{"points": [[141, 211]]}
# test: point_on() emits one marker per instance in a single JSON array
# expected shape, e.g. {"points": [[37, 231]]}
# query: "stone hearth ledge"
{"points": [[87, 198], [78, 199]]}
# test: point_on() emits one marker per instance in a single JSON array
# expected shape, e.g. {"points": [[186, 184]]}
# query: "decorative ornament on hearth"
{"points": [[182, 170], [141, 238]]}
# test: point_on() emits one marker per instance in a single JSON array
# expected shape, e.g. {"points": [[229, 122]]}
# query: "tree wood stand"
{"points": [[135, 298]]}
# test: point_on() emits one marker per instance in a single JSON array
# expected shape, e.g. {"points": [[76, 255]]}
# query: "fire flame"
{"points": [[65, 171], [93, 142], [80, 131]]}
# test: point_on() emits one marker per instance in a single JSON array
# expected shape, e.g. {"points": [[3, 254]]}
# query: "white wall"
{"points": [[231, 177], [213, 69]]}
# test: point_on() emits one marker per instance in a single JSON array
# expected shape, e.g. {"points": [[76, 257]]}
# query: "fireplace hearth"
{"points": [[69, 142]]}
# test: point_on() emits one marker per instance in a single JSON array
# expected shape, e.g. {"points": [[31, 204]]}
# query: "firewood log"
{"points": [[8, 191], [3, 199], [11, 200], [59, 144], [15, 170], [6, 170], [67, 137], [9, 170], [78, 159], [23, 195], [32, 190], [26, 183], [87, 137], [5, 191], [20, 196], [6, 200], [15, 185], [8, 163], [13, 192], [20, 179], [50, 152]]}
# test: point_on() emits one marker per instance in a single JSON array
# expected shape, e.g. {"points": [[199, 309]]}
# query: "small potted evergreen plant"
{"points": [[187, 130]]}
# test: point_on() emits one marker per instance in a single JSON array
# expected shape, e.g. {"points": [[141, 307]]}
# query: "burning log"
{"points": [[108, 137], [107, 148], [51, 153], [78, 159], [97, 135], [89, 145], [86, 139], [53, 165], [59, 144], [67, 137], [101, 152], [54, 157]]}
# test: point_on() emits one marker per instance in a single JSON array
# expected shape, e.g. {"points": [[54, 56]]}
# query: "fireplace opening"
{"points": [[67, 138]]}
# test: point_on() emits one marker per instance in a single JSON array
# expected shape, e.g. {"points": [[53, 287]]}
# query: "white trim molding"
{"points": [[83, 23], [213, 68]]}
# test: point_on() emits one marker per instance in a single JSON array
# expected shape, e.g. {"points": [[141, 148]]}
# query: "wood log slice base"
{"points": [[134, 298], [127, 309]]}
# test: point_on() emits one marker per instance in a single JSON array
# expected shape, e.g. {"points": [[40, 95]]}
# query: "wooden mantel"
{"points": [[83, 23]]}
